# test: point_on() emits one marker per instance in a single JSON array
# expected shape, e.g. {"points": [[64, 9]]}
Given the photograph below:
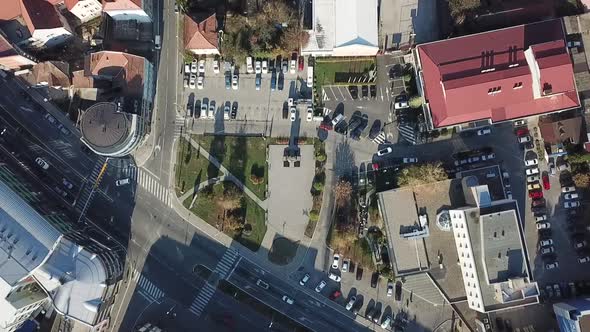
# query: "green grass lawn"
{"points": [[240, 155], [207, 210], [325, 70], [192, 168]]}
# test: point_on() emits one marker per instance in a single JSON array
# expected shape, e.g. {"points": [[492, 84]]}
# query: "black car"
{"points": [[398, 291], [281, 81], [375, 129], [359, 273], [370, 313], [376, 316], [273, 80], [234, 111], [354, 91], [373, 91], [374, 279], [365, 91]]}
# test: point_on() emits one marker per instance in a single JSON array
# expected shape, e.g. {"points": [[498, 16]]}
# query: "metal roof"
{"points": [[26, 239]]}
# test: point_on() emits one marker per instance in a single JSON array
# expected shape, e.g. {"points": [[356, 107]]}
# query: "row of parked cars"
{"points": [[208, 110]]}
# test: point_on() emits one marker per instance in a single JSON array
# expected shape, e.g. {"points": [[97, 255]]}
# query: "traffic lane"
{"points": [[304, 305], [69, 148]]}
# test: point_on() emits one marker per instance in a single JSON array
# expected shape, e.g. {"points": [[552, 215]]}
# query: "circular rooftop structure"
{"points": [[443, 221], [103, 128]]}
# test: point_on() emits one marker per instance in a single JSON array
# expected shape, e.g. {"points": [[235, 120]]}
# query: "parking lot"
{"points": [[260, 110]]}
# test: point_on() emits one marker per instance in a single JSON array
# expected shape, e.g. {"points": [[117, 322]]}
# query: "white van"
{"points": [[309, 76], [249, 68]]}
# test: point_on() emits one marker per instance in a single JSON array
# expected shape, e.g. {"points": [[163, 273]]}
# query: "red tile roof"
{"points": [[108, 5], [125, 70], [71, 3], [459, 74], [9, 57], [40, 15], [200, 34], [10, 9]]}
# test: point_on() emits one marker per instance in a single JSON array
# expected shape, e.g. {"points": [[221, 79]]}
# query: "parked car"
{"points": [[234, 111], [531, 162], [351, 302], [538, 202], [264, 67], [359, 273], [211, 114], [336, 120], [262, 284], [281, 82], [484, 131], [376, 316], [543, 225], [200, 82], [192, 82], [541, 217], [304, 280], [580, 244], [410, 160], [67, 183], [334, 277], [585, 259], [201, 66], [273, 80], [320, 286], [309, 114], [345, 266], [216, 66], [389, 289], [551, 266], [532, 171], [194, 66], [546, 242], [336, 294], [234, 82], [547, 250], [385, 151], [519, 123], [257, 67], [227, 81], [336, 262], [301, 63], [524, 139], [534, 186], [568, 189], [535, 194], [293, 66], [293, 114], [122, 182], [401, 105], [571, 204], [557, 290], [386, 322], [204, 108], [546, 183], [569, 196], [226, 111], [532, 178], [374, 279]]}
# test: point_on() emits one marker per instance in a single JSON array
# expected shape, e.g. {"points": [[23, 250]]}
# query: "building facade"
{"points": [[573, 316]]}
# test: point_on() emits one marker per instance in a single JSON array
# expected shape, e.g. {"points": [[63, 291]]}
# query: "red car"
{"points": [[535, 194], [546, 184], [375, 166], [335, 295], [326, 126], [301, 63], [522, 132]]}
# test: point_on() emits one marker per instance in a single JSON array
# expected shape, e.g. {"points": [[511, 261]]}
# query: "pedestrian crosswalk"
{"points": [[380, 139], [178, 125], [88, 191], [223, 267], [150, 184], [148, 290], [408, 133]]}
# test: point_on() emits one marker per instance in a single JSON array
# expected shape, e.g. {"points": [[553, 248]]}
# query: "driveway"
{"points": [[402, 20]]}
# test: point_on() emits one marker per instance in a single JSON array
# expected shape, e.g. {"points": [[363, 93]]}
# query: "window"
{"points": [[517, 85], [494, 90], [495, 235]]}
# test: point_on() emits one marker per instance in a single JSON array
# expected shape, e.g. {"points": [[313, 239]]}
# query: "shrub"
{"points": [[416, 101], [318, 186], [314, 215]]}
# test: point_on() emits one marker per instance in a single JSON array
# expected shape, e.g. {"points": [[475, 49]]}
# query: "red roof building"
{"points": [[200, 34], [496, 76]]}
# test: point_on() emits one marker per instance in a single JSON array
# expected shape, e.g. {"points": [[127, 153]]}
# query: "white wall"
{"points": [[49, 37], [87, 10], [210, 51], [136, 14]]}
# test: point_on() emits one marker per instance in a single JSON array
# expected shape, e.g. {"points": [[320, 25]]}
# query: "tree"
{"points": [[318, 186], [314, 215], [231, 198], [416, 101], [232, 223], [421, 174], [582, 180], [342, 193]]}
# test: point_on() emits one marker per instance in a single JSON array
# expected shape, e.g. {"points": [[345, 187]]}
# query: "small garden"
{"points": [[191, 167], [317, 187], [224, 206]]}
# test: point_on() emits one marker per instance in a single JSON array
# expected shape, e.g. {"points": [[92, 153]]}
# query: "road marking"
{"points": [[148, 290], [151, 185]]}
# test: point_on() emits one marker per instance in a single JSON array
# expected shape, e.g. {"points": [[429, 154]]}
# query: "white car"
{"points": [[524, 139], [264, 67], [216, 66], [304, 280], [543, 225], [194, 67], [204, 108], [484, 131], [200, 82], [570, 196], [337, 119], [351, 302], [334, 277], [202, 66], [211, 114], [345, 266], [386, 323], [293, 113], [336, 262], [547, 242], [547, 250], [257, 67], [385, 151], [187, 68], [287, 299], [532, 178], [568, 189], [42, 163], [550, 266], [293, 66], [534, 186], [542, 217], [488, 156], [389, 289], [584, 259], [122, 182], [234, 82], [309, 114], [519, 123], [571, 204], [226, 113], [67, 184], [401, 105], [249, 68], [580, 244], [192, 80], [532, 171], [410, 160], [320, 286], [531, 162]]}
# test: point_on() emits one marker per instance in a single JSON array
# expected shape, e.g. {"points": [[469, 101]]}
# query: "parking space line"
{"points": [[343, 98]]}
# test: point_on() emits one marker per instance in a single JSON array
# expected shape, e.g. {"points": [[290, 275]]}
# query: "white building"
{"points": [[84, 10], [490, 247], [343, 28], [127, 10], [39, 264]]}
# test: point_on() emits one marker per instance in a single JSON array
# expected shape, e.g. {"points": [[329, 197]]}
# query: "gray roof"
{"points": [[26, 239], [81, 277]]}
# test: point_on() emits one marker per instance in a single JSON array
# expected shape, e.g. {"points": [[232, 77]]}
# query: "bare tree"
{"points": [[342, 193], [422, 174], [582, 180]]}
